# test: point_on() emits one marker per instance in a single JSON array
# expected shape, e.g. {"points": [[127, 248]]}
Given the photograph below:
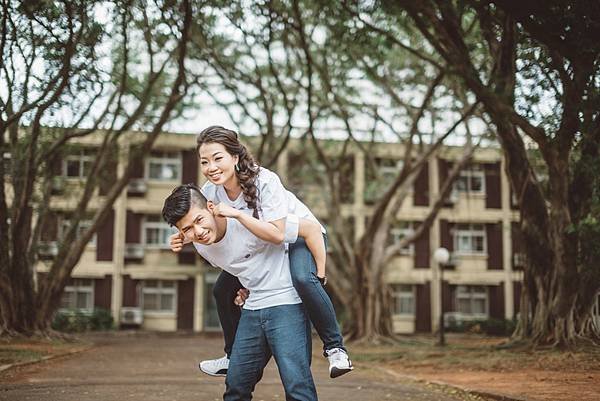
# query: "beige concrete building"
{"points": [[129, 269]]}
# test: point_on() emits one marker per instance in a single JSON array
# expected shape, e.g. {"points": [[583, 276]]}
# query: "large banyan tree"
{"points": [[535, 68]]}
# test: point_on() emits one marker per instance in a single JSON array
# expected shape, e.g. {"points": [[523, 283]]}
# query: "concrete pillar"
{"points": [[120, 207], [359, 190], [435, 242], [199, 307], [507, 242]]}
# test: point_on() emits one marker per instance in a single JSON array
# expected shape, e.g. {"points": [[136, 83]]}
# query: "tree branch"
{"points": [[391, 37], [68, 256]]}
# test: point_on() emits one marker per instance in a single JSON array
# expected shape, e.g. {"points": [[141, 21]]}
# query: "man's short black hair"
{"points": [[179, 203]]}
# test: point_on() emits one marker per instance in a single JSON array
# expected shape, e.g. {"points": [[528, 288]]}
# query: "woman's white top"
{"points": [[274, 201], [261, 267]]}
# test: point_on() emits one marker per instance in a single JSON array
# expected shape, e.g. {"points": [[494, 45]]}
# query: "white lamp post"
{"points": [[441, 256]]}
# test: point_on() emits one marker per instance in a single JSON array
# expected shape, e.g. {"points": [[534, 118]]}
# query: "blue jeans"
{"points": [[316, 301], [281, 331], [304, 277]]}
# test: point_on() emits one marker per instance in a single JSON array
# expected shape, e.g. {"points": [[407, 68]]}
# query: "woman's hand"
{"points": [[225, 210], [242, 296], [176, 242]]}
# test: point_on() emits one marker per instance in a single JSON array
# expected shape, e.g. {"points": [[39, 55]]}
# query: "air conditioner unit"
{"points": [[132, 315], [48, 248], [134, 251], [453, 197], [453, 260], [58, 184], [452, 318], [137, 186], [519, 259]]}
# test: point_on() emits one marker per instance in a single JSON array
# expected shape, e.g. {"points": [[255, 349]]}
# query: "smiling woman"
{"points": [[227, 163], [217, 164]]}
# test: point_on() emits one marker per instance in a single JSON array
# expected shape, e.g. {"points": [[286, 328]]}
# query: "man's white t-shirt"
{"points": [[275, 202], [261, 267]]}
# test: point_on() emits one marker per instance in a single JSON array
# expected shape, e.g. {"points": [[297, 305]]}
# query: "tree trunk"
{"points": [[370, 308], [23, 309]]}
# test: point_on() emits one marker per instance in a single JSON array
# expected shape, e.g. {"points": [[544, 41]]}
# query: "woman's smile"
{"points": [[215, 176]]}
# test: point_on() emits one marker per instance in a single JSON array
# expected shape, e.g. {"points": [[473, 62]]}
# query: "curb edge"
{"points": [[4, 368], [481, 393]]}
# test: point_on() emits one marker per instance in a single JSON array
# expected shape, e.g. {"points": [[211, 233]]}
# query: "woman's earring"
{"points": [[237, 168]]}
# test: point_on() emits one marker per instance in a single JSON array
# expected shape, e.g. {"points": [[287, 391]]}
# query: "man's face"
{"points": [[198, 225]]}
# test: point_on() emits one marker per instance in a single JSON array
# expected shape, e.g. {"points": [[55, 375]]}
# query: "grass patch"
{"points": [[475, 352], [21, 350], [15, 355]]}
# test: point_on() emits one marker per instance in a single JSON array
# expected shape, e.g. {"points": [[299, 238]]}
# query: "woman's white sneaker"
{"points": [[339, 363], [215, 367]]}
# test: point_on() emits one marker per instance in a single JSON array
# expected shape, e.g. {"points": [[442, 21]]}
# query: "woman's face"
{"points": [[217, 164]]}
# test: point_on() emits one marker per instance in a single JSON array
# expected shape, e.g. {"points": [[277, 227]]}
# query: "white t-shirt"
{"points": [[261, 267], [274, 201]]}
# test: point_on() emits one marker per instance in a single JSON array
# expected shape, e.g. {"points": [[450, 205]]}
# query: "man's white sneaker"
{"points": [[215, 367], [339, 363]]}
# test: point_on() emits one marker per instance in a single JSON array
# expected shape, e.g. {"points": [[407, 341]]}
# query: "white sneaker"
{"points": [[215, 367], [339, 363]]}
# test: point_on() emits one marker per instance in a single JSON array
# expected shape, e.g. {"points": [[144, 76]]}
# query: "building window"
{"points": [[157, 232], [164, 166], [379, 176], [302, 173], [79, 164], [389, 168], [159, 296], [472, 300], [470, 239], [471, 179], [81, 228], [306, 177], [399, 232], [403, 300], [79, 295]]}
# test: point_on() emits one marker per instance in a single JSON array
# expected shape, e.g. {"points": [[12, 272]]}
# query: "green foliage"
{"points": [[75, 69], [76, 321]]}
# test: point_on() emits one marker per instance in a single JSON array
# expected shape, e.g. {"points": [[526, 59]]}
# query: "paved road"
{"points": [[154, 367]]}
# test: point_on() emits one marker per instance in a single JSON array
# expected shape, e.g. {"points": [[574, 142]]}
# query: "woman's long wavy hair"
{"points": [[246, 169]]}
